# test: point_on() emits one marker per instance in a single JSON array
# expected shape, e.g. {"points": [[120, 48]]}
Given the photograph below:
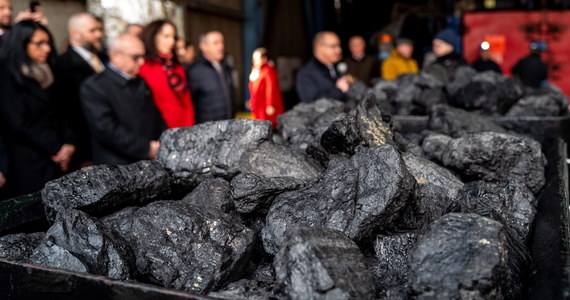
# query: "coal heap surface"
{"points": [[307, 265], [19, 247]]}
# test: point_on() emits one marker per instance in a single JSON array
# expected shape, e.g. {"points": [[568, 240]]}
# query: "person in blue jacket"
{"points": [[319, 78]]}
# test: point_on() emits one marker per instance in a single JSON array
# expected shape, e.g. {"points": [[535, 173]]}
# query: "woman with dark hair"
{"points": [[165, 75], [265, 101], [38, 145]]}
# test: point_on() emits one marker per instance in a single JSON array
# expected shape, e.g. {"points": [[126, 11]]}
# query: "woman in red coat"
{"points": [[265, 95], [165, 75]]}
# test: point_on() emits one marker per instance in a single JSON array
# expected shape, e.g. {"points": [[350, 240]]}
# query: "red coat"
{"points": [[176, 109], [264, 91]]}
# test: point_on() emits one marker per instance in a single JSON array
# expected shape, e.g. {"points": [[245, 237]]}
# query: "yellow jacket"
{"points": [[395, 65]]}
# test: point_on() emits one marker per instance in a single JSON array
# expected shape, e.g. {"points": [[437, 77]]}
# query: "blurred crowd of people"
{"points": [[95, 104]]}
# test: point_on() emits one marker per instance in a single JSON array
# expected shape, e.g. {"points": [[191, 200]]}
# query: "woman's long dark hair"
{"points": [[14, 54], [148, 37]]}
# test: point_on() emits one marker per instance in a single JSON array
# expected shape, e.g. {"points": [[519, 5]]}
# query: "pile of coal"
{"points": [[307, 266], [102, 189], [335, 205], [487, 93]]}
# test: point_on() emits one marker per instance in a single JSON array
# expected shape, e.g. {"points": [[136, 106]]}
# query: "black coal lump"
{"points": [[272, 160], [18, 247], [510, 203], [357, 196], [499, 157], [253, 194], [456, 122], [99, 190], [92, 243], [212, 149], [364, 126], [436, 193], [322, 263], [305, 123], [467, 256], [186, 246]]}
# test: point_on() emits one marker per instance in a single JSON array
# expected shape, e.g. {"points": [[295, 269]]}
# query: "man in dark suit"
{"points": [[319, 77], [210, 81], [125, 125], [72, 68]]}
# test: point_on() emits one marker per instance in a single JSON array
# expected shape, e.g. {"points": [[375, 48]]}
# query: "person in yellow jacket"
{"points": [[400, 61]]}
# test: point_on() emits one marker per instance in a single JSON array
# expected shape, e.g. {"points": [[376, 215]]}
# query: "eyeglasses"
{"points": [[40, 43], [134, 57], [332, 46]]}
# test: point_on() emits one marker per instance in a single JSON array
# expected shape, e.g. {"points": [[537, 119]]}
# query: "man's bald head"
{"points": [[85, 31], [326, 47], [357, 46], [126, 52]]}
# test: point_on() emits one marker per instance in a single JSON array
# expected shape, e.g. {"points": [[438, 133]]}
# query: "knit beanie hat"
{"points": [[449, 36]]}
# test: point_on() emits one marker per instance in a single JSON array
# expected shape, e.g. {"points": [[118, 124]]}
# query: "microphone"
{"points": [[341, 68]]}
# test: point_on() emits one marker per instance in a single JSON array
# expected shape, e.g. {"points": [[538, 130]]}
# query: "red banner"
{"points": [[510, 33]]}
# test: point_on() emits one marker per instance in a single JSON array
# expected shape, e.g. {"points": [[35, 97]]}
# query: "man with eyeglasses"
{"points": [[81, 61], [319, 78], [125, 125]]}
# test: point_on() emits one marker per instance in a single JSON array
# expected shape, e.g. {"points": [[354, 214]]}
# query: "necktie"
{"points": [[96, 63], [218, 67], [332, 71]]}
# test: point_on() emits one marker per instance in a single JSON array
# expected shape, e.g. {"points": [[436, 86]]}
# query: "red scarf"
{"points": [[174, 80]]}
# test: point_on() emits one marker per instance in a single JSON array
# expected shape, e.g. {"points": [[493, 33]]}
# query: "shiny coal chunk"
{"points": [[322, 263], [306, 122], [456, 122], [549, 102], [253, 194], [212, 149], [467, 256], [390, 260], [92, 243], [19, 247], [492, 156], [436, 193], [512, 204], [357, 196], [272, 160], [364, 126], [51, 255], [185, 246], [101, 189]]}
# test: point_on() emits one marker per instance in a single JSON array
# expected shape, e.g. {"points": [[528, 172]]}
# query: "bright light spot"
{"points": [[485, 46]]}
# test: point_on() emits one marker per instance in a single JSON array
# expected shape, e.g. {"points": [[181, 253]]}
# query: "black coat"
{"points": [[121, 116], [207, 91], [70, 71], [314, 81], [451, 62], [531, 70], [32, 130], [486, 65]]}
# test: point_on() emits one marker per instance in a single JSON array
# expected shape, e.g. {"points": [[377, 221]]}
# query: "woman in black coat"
{"points": [[38, 145]]}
